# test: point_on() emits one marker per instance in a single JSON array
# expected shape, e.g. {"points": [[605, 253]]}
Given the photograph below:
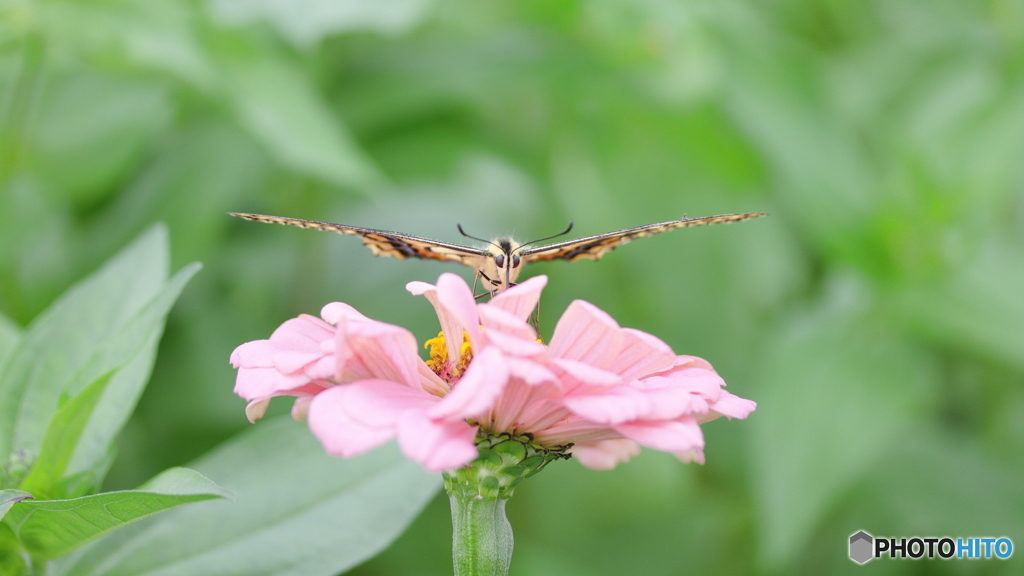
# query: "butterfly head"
{"points": [[503, 260], [501, 268]]}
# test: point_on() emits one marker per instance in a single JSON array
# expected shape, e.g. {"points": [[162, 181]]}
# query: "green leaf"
{"points": [[207, 169], [13, 560], [93, 130], [74, 354], [837, 388], [280, 107], [183, 481], [61, 439], [69, 334], [158, 35], [297, 512], [9, 337], [825, 177], [309, 21], [51, 528], [133, 352], [978, 308], [163, 35], [983, 496], [9, 498]]}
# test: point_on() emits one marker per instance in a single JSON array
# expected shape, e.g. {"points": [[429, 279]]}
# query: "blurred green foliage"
{"points": [[877, 316]]}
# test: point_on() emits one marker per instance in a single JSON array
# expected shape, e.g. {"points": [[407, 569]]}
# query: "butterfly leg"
{"points": [[535, 318], [495, 285], [476, 279]]}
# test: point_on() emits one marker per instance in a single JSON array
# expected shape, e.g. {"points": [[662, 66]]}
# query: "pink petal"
{"points": [[521, 405], [324, 368], [300, 409], [290, 362], [309, 389], [520, 300], [335, 311], [302, 334], [477, 390], [259, 383], [437, 445], [614, 406], [732, 406], [684, 361], [587, 334], [372, 349], [576, 430], [255, 354], [497, 320], [541, 411], [641, 354], [379, 403], [256, 409], [430, 382], [671, 403], [341, 435], [514, 345], [451, 326], [574, 374], [605, 454], [699, 381], [417, 288], [623, 404], [669, 436], [692, 455], [454, 295], [530, 372]]}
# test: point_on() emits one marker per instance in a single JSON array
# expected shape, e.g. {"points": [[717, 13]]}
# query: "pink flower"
{"points": [[603, 389]]}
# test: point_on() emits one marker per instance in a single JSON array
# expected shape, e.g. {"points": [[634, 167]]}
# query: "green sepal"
{"points": [[503, 462]]}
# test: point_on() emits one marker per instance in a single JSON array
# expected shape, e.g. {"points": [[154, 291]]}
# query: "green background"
{"points": [[877, 316]]}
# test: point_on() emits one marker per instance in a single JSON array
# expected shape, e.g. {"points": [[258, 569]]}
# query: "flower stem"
{"points": [[481, 534]]}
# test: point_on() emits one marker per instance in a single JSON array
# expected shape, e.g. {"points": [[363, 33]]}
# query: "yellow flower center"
{"points": [[438, 350]]}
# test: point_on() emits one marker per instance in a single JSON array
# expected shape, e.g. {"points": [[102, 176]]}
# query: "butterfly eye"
{"points": [[499, 260], [515, 261]]}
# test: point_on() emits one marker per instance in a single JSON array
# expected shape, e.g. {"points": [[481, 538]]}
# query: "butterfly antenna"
{"points": [[567, 230], [463, 232]]}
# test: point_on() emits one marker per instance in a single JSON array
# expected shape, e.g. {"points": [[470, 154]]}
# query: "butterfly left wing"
{"points": [[594, 247], [384, 243]]}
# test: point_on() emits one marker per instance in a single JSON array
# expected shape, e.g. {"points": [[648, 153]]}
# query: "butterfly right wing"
{"points": [[593, 247], [384, 243]]}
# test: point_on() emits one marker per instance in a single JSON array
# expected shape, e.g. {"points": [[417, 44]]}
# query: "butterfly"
{"points": [[499, 263]]}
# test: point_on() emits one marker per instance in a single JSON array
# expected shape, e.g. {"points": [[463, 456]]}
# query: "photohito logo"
{"points": [[864, 547]]}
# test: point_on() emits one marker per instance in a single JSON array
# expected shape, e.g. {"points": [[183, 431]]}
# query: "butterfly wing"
{"points": [[384, 243], [594, 247]]}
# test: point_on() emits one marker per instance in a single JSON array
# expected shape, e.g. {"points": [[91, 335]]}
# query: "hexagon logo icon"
{"points": [[861, 545]]}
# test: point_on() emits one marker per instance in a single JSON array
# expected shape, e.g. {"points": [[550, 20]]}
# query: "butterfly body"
{"points": [[500, 263]]}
